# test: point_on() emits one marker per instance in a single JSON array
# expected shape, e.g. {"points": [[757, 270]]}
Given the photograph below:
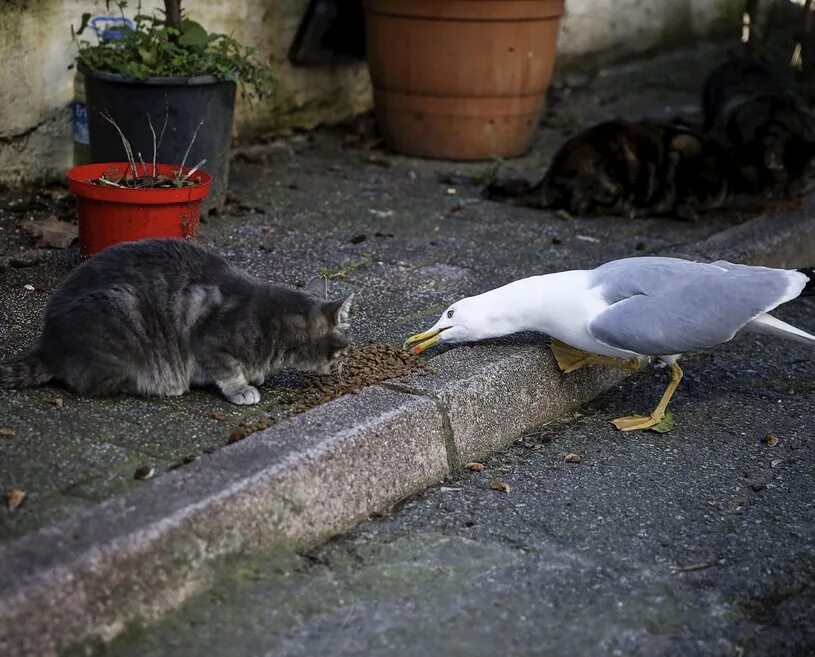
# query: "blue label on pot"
{"points": [[80, 114]]}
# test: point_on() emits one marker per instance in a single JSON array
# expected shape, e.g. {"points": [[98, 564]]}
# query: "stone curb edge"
{"points": [[144, 553]]}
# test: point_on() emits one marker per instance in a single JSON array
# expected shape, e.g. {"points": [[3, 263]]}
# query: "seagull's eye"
{"points": [[450, 313]]}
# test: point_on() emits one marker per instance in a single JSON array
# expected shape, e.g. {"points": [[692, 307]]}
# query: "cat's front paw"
{"points": [[245, 396]]}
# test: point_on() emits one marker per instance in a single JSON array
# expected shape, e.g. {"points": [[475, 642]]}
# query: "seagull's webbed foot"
{"points": [[636, 422], [570, 359]]}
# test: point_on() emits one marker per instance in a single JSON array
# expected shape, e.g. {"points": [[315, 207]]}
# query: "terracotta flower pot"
{"points": [[461, 79], [109, 215]]}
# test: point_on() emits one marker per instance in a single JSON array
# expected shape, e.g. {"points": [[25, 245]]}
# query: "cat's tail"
{"points": [[28, 370], [515, 191]]}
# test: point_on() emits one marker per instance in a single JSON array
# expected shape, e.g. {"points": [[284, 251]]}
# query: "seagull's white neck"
{"points": [[550, 304]]}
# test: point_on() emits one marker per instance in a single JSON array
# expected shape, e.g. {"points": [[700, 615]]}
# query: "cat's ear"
{"points": [[318, 287], [339, 311]]}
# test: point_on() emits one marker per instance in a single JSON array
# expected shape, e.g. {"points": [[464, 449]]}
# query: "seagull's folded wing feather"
{"points": [[665, 306]]}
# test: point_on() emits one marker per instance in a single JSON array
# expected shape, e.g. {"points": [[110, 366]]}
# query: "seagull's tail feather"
{"points": [[809, 288], [769, 325]]}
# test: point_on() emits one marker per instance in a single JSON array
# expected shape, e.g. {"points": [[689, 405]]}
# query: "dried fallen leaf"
{"points": [[55, 193], [144, 472], [503, 486], [53, 233], [379, 161], [776, 462], [15, 498], [19, 263], [236, 435], [771, 440], [189, 458], [59, 402], [573, 458], [6, 433], [219, 415], [477, 467], [664, 425]]}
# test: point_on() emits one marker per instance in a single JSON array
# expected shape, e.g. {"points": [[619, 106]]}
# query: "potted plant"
{"points": [[460, 79], [133, 200], [167, 66], [118, 202]]}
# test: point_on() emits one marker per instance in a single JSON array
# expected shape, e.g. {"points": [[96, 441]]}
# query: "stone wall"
{"points": [[599, 31], [36, 85]]}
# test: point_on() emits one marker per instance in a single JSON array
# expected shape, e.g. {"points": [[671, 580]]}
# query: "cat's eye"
{"points": [[450, 312]]}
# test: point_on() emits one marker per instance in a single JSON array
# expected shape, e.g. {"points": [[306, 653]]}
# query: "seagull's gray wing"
{"points": [[665, 306]]}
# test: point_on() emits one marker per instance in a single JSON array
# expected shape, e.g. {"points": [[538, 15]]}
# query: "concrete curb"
{"points": [[144, 553]]}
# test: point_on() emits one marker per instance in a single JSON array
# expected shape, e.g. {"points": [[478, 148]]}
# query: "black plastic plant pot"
{"points": [[185, 101]]}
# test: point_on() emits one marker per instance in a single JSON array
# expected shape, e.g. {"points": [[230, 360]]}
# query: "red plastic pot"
{"points": [[109, 215]]}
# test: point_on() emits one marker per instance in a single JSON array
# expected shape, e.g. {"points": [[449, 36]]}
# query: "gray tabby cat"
{"points": [[158, 316]]}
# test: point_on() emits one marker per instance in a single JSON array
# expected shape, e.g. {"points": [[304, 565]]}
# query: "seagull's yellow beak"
{"points": [[424, 340]]}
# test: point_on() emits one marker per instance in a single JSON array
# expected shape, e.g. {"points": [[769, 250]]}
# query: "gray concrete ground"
{"points": [[382, 226], [700, 541], [407, 242]]}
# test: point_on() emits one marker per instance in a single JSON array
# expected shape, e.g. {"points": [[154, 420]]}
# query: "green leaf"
{"points": [[665, 425], [86, 17], [192, 34], [147, 56], [151, 49]]}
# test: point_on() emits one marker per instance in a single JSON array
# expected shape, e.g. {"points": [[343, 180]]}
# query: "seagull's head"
{"points": [[464, 321]]}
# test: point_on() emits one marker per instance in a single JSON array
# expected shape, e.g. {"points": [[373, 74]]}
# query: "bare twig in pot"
{"points": [[155, 147], [164, 125], [105, 181], [194, 169], [128, 150], [157, 142], [192, 141]]}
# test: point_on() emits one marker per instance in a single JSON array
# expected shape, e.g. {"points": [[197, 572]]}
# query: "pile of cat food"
{"points": [[361, 367]]}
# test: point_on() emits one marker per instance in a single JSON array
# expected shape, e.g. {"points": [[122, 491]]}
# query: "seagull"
{"points": [[626, 311]]}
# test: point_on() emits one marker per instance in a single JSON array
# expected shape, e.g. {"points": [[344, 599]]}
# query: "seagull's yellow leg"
{"points": [[570, 359], [633, 422]]}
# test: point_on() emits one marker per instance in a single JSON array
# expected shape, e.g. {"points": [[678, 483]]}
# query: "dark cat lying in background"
{"points": [[158, 316], [630, 169], [769, 127]]}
